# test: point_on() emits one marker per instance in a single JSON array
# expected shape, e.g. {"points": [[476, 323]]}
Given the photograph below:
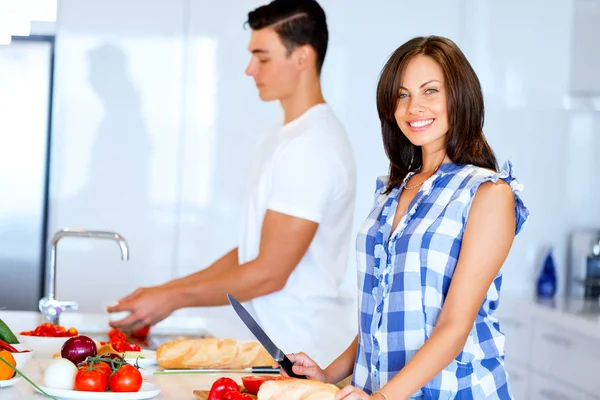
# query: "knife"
{"points": [[262, 337], [253, 370]]}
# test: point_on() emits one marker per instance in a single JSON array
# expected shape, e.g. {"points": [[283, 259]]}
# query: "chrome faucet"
{"points": [[49, 306]]}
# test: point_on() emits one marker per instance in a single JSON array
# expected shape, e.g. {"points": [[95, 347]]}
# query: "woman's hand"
{"points": [[354, 393], [304, 365]]}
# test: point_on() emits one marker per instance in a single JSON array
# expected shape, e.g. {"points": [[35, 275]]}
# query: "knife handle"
{"points": [[286, 364], [265, 370]]}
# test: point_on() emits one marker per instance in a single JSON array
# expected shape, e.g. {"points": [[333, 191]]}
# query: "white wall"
{"points": [[155, 119]]}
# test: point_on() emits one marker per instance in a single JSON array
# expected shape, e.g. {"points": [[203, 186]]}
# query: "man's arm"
{"points": [[222, 265], [284, 241]]}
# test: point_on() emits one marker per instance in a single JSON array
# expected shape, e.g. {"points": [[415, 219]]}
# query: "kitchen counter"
{"points": [[173, 387], [579, 316]]}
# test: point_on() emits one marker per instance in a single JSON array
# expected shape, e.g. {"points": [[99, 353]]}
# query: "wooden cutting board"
{"points": [[203, 394]]}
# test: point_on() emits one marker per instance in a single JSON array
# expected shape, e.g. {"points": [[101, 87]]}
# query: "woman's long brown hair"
{"points": [[465, 142]]}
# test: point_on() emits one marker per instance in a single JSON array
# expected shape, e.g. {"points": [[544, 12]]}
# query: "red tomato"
{"points": [[116, 335], [142, 333], [90, 381], [126, 379], [221, 387], [100, 366], [72, 332], [237, 396], [60, 331], [252, 383]]}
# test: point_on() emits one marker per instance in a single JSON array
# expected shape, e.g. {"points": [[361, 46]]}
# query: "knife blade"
{"points": [[253, 370], [262, 337]]}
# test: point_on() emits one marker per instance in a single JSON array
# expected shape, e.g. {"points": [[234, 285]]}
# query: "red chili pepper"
{"points": [[6, 346]]}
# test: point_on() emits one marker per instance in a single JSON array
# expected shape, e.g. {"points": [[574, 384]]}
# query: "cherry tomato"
{"points": [[252, 382], [91, 380], [72, 332], [60, 331], [237, 396], [220, 387], [126, 379]]}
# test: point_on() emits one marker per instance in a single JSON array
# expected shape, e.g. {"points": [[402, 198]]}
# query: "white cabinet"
{"points": [[518, 376], [546, 358], [517, 329], [543, 388]]}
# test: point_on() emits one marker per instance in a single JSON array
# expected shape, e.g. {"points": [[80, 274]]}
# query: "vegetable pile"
{"points": [[81, 369]]}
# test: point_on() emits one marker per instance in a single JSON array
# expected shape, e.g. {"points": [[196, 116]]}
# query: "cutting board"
{"points": [[203, 394]]}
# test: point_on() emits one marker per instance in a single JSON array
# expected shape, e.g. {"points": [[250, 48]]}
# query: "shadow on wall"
{"points": [[117, 174]]}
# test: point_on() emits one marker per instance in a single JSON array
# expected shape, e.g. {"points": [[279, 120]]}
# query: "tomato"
{"points": [[116, 335], [237, 396], [72, 332], [252, 382], [126, 379], [101, 366], [220, 387], [91, 380], [141, 333]]}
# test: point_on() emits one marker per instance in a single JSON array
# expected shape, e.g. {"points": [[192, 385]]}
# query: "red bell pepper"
{"points": [[221, 387]]}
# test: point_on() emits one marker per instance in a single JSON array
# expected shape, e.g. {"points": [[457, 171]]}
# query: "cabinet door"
{"points": [[517, 329], [519, 380], [543, 388], [567, 356]]}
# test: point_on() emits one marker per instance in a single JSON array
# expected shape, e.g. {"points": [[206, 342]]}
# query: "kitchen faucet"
{"points": [[49, 306]]}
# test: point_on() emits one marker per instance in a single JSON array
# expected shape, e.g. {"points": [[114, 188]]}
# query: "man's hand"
{"points": [[148, 306]]}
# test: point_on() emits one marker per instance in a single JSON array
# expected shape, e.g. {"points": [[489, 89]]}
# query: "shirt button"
{"points": [[379, 308], [375, 342]]}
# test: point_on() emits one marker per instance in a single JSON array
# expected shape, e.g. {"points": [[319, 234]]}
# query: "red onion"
{"points": [[78, 348]]}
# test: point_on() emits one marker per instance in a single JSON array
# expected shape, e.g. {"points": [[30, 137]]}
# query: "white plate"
{"points": [[149, 358], [147, 391], [10, 382]]}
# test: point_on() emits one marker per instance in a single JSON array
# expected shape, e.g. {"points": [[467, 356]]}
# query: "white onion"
{"points": [[60, 374]]}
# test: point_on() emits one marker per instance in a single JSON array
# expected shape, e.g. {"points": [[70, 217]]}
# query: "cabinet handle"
{"points": [[511, 322], [560, 340], [553, 395]]}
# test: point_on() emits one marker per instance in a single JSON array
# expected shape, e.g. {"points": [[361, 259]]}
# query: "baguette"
{"points": [[212, 353], [296, 389]]}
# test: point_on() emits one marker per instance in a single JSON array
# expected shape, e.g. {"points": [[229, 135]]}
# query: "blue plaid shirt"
{"points": [[404, 278]]}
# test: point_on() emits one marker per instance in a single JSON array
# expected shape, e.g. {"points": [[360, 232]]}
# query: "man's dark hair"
{"points": [[297, 22]]}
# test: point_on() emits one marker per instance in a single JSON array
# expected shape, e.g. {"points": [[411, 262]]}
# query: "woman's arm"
{"points": [[487, 239], [338, 370]]}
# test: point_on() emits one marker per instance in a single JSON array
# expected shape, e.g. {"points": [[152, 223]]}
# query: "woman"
{"points": [[430, 252]]}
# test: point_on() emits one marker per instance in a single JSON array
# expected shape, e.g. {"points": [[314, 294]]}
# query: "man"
{"points": [[293, 251]]}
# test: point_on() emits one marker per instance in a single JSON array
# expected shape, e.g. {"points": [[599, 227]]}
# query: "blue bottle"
{"points": [[546, 283]]}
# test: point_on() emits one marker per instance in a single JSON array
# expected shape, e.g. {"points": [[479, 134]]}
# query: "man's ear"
{"points": [[305, 56]]}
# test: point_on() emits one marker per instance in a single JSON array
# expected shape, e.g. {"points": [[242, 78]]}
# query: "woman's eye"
{"points": [[262, 61], [403, 95], [430, 91]]}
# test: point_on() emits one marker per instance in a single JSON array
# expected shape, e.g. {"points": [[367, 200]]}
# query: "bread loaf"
{"points": [[296, 389], [212, 353]]}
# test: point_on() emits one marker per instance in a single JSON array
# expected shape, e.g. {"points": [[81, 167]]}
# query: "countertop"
{"points": [[173, 387], [579, 316]]}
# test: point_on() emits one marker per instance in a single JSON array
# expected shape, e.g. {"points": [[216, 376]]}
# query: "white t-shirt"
{"points": [[306, 169]]}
